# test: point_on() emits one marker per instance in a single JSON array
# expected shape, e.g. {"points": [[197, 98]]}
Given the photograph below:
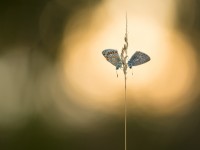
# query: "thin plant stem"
{"points": [[125, 111], [123, 58]]}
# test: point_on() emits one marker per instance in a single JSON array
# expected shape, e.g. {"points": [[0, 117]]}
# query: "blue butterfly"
{"points": [[138, 58], [112, 56]]}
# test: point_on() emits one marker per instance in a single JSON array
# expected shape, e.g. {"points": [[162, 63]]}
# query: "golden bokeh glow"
{"points": [[164, 84]]}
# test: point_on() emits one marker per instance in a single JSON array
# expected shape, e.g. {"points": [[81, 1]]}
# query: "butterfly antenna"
{"points": [[132, 71], [117, 73]]}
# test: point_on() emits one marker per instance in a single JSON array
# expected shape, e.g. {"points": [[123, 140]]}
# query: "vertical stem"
{"points": [[123, 58], [125, 113]]}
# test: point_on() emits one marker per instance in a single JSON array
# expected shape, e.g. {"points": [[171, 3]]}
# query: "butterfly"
{"points": [[112, 56], [137, 58]]}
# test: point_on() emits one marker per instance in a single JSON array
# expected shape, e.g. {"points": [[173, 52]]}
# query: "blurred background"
{"points": [[58, 92]]}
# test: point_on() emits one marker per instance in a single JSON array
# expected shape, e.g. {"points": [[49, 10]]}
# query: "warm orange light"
{"points": [[164, 83]]}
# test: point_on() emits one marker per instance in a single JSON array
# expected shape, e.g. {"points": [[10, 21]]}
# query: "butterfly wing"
{"points": [[112, 56], [138, 58]]}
